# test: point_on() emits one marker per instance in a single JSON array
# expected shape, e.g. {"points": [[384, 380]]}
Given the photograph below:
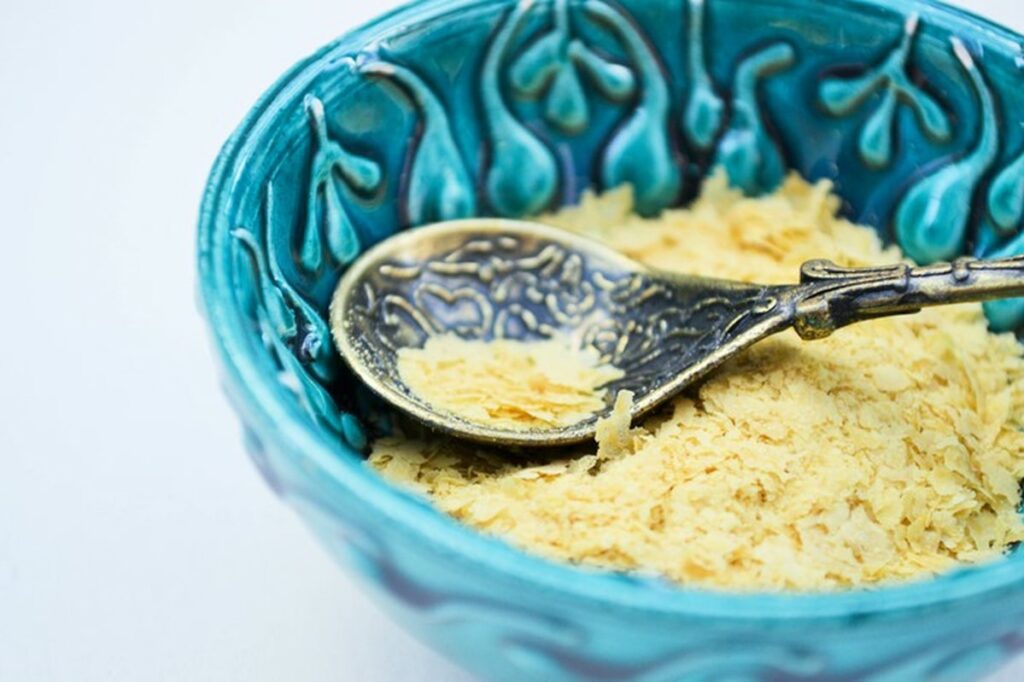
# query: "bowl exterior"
{"points": [[452, 108]]}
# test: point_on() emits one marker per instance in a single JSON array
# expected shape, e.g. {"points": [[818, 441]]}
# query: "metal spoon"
{"points": [[488, 278]]}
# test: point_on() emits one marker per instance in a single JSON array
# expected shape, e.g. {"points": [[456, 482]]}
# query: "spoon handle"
{"points": [[831, 296]]}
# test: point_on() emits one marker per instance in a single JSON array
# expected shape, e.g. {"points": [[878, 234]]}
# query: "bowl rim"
{"points": [[264, 405]]}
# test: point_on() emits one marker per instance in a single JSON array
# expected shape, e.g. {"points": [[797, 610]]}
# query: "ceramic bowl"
{"points": [[450, 108]]}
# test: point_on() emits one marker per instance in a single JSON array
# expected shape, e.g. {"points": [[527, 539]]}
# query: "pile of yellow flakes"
{"points": [[891, 450], [508, 384]]}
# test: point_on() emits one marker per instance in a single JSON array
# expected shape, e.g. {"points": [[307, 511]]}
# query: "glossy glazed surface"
{"points": [[512, 109]]}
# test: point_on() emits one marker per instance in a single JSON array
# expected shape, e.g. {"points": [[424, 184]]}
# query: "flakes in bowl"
{"points": [[891, 450]]}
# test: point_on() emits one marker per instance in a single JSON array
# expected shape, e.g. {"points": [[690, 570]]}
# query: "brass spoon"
{"points": [[487, 278]]}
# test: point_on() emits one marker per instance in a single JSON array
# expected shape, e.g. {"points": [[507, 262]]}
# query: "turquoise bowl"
{"points": [[449, 108]]}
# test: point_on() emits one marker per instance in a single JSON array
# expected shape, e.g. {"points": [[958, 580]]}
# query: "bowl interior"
{"points": [[447, 109]]}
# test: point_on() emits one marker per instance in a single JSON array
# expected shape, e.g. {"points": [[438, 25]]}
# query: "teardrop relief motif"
{"points": [[931, 220], [522, 176], [439, 184], [640, 152]]}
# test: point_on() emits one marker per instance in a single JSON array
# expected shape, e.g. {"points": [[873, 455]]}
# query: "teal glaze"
{"points": [[280, 317], [500, 613], [325, 213], [704, 109], [750, 157], [297, 334], [639, 153], [552, 68], [1005, 201], [613, 81], [523, 175], [1000, 235], [843, 96], [315, 398], [292, 319], [932, 219], [545, 66], [1008, 314], [352, 431], [440, 186]]}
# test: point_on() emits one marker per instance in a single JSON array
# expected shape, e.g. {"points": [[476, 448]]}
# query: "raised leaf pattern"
{"points": [[553, 68], [932, 219], [842, 96], [702, 119], [640, 152], [750, 156], [522, 175], [439, 184], [333, 172]]}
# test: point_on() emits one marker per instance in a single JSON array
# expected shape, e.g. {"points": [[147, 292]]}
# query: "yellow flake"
{"points": [[506, 383], [613, 434]]}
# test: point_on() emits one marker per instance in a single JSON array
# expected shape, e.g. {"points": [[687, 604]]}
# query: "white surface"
{"points": [[136, 540]]}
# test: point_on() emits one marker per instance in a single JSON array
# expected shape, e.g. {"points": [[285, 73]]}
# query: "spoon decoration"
{"points": [[489, 279]]}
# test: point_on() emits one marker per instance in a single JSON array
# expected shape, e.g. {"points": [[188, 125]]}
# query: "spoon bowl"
{"points": [[486, 279]]}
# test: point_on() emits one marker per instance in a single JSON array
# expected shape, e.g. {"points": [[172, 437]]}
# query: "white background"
{"points": [[136, 540]]}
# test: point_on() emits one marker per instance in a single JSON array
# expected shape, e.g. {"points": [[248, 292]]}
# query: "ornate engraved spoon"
{"points": [[488, 278]]}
